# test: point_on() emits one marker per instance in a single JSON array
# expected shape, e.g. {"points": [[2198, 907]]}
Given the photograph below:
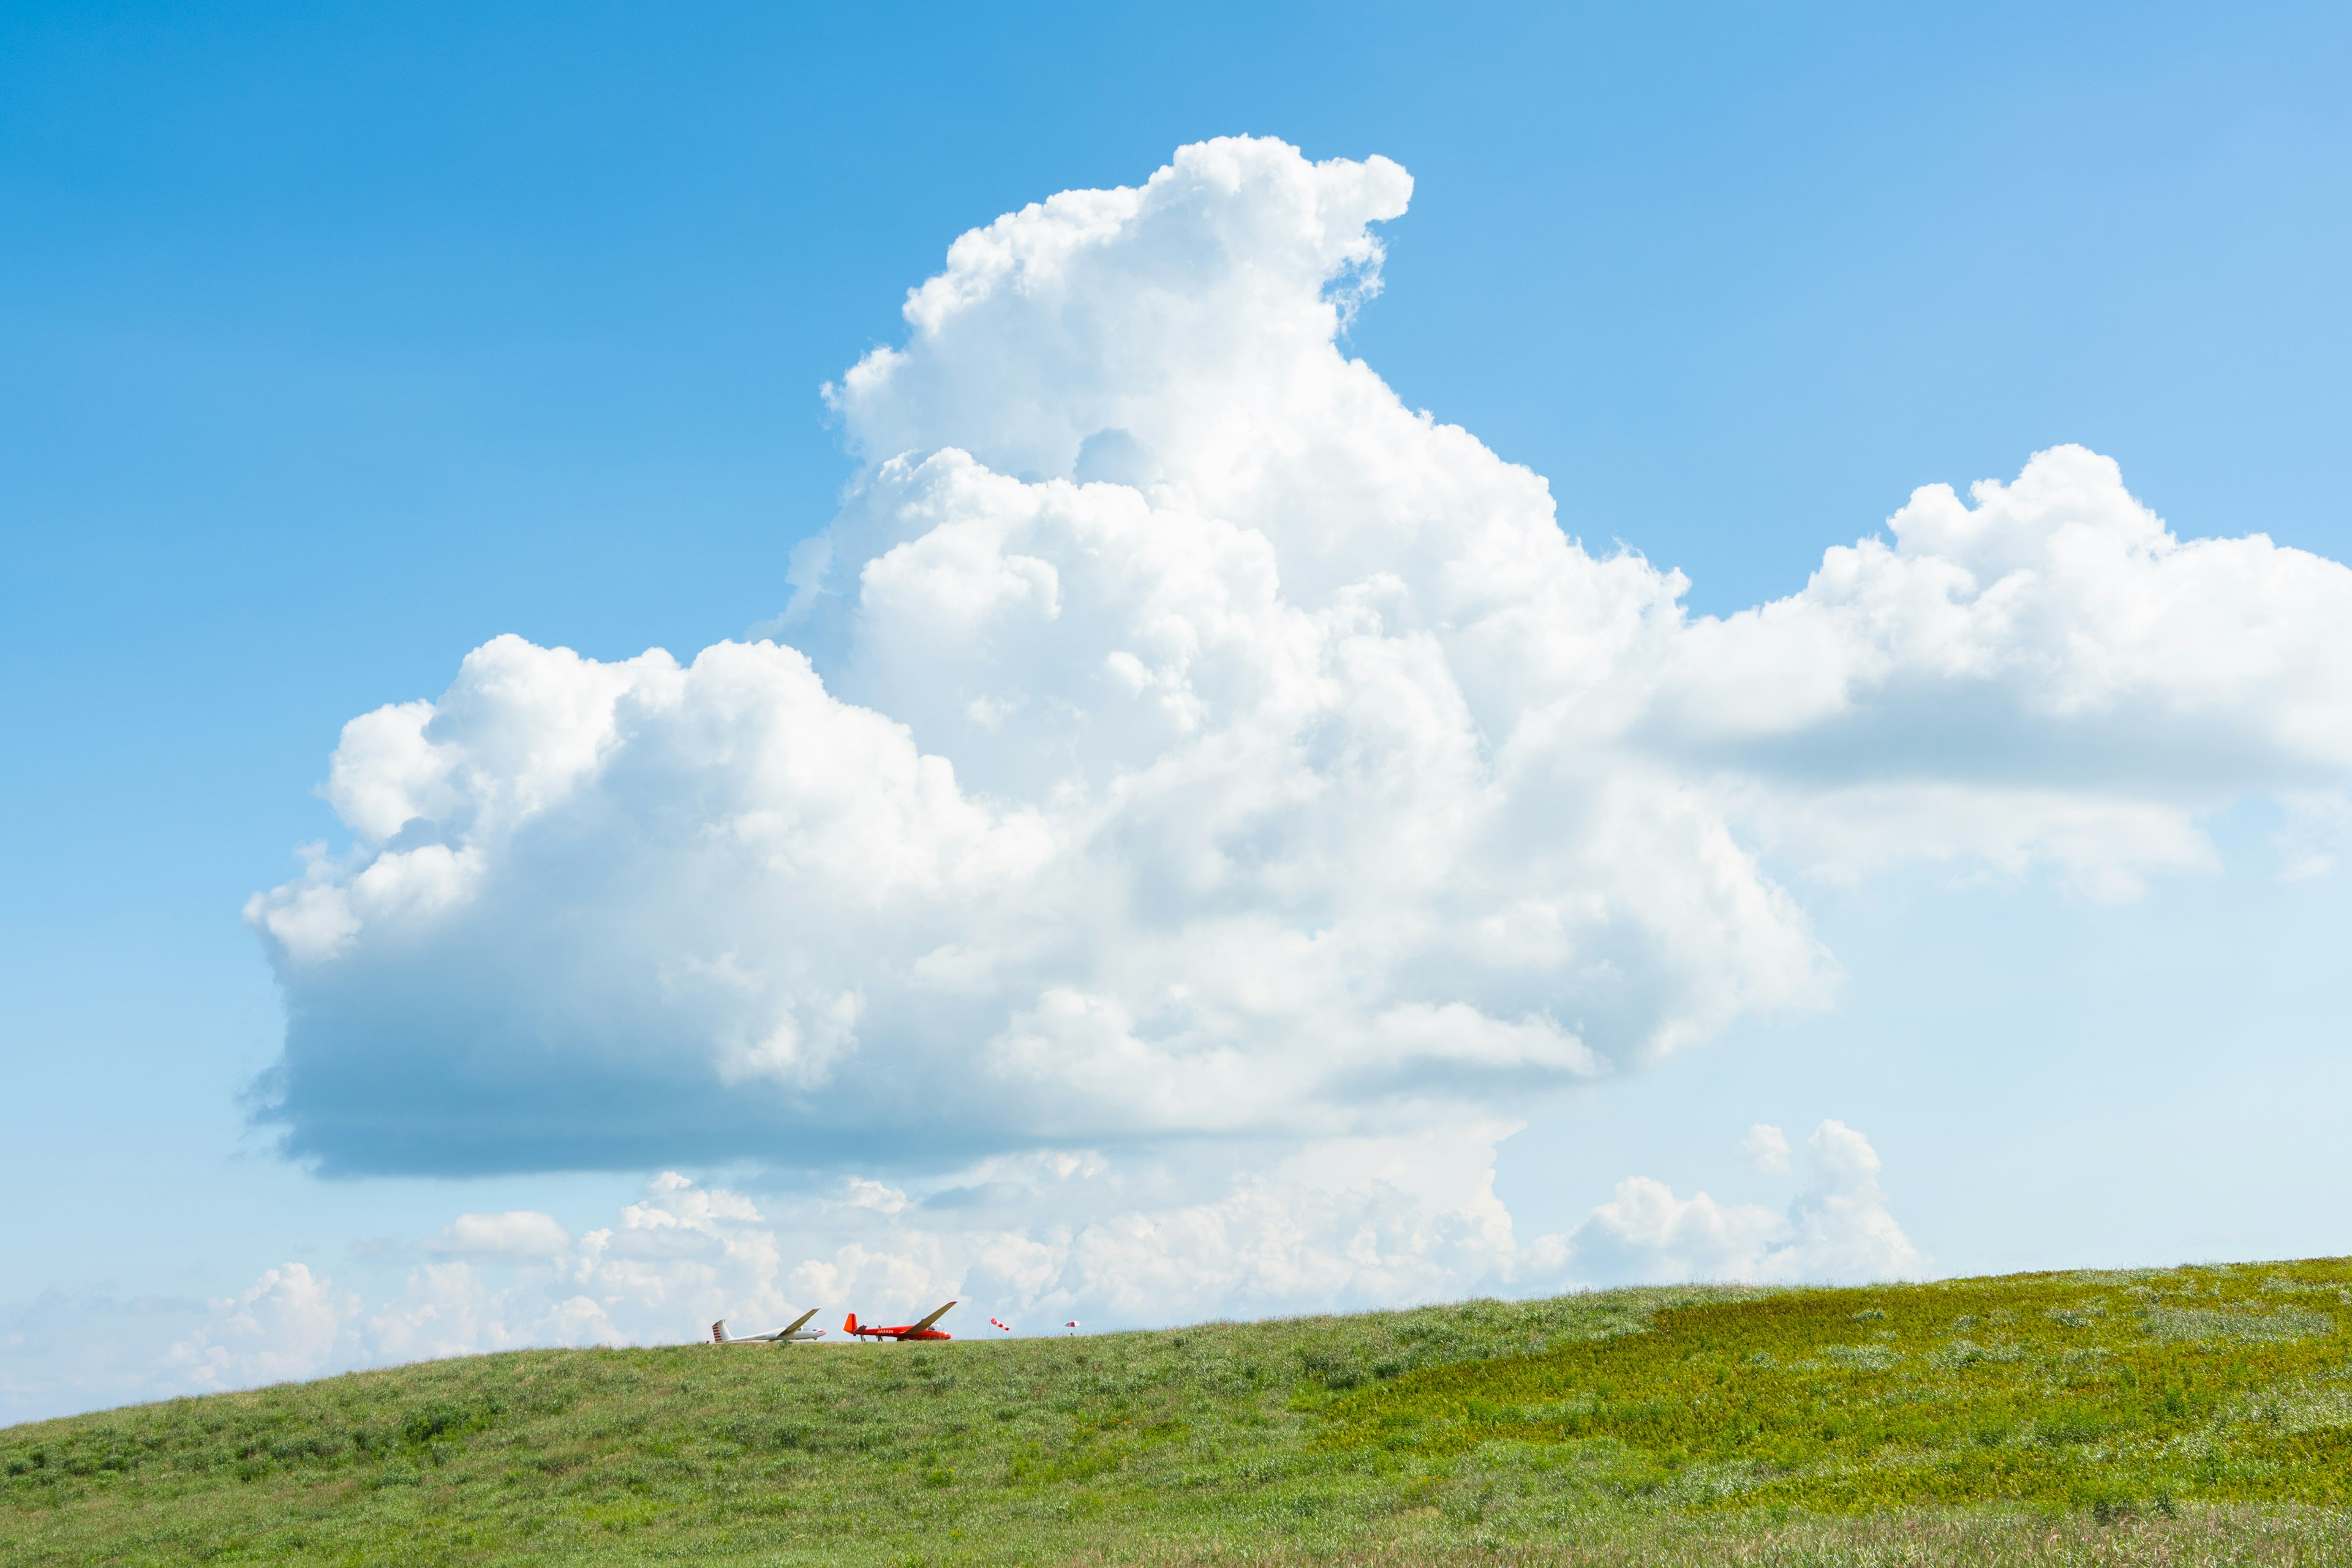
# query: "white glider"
{"points": [[784, 1336]]}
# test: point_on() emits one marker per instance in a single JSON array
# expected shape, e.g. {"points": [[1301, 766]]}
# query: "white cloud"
{"points": [[1192, 740], [671, 1262], [1766, 1147], [519, 1233], [1839, 1231], [2317, 829], [1035, 1240], [290, 1324], [876, 1195]]}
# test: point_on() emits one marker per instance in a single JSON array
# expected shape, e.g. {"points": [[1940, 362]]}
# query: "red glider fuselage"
{"points": [[918, 1331]]}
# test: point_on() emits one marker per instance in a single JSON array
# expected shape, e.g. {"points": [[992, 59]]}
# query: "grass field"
{"points": [[2178, 1416]]}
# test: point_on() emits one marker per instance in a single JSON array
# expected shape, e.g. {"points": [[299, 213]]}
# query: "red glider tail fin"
{"points": [[850, 1326]]}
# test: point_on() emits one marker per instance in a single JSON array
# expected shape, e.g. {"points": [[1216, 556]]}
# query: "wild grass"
{"points": [[2190, 1416], [2106, 1391]]}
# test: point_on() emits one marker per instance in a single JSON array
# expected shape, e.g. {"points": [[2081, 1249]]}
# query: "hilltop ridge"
{"points": [[2150, 1414]]}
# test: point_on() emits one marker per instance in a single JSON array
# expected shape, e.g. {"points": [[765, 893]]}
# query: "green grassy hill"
{"points": [[2181, 1416]]}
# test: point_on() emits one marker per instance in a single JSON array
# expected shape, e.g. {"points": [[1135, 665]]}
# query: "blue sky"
{"points": [[333, 346]]}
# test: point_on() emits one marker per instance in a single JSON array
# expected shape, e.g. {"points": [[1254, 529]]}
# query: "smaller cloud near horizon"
{"points": [[1839, 1230], [1350, 1228]]}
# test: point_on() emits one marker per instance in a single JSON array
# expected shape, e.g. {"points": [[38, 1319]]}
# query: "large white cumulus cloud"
{"points": [[1180, 736]]}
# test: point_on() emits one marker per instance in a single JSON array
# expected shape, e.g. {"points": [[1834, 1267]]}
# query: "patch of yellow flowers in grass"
{"points": [[2115, 1393]]}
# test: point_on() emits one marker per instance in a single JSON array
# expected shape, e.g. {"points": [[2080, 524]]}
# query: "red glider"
{"points": [[922, 1330]]}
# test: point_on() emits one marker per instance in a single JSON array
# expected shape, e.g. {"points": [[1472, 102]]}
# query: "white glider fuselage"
{"points": [[789, 1334]]}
